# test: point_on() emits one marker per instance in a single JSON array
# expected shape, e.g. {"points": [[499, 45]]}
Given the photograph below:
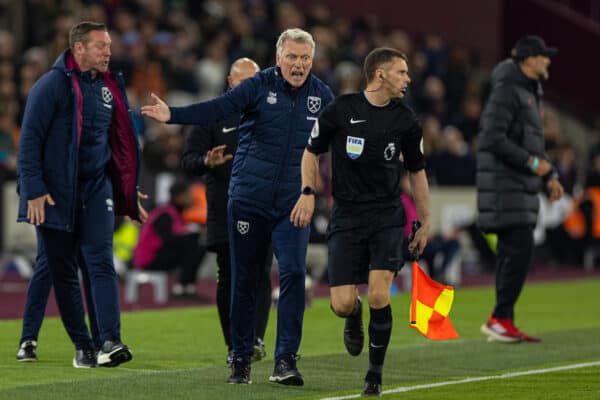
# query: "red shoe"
{"points": [[526, 338], [501, 330]]}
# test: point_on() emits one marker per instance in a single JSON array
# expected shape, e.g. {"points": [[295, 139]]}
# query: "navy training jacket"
{"points": [[274, 129], [49, 145]]}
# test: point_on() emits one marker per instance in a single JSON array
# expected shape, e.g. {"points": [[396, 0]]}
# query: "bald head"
{"points": [[241, 69]]}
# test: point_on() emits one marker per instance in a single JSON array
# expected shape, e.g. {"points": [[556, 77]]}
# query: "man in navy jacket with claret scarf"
{"points": [[78, 167]]}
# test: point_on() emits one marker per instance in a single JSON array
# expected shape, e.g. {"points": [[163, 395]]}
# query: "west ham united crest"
{"points": [[243, 227], [106, 95], [313, 103]]}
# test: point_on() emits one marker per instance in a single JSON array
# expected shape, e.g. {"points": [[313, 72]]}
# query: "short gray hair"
{"points": [[297, 35]]}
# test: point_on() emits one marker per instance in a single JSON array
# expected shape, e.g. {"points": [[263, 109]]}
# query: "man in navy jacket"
{"points": [[77, 168], [209, 151], [279, 107]]}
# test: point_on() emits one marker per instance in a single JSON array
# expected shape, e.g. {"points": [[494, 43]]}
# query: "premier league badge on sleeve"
{"points": [[389, 151], [314, 104], [354, 146]]}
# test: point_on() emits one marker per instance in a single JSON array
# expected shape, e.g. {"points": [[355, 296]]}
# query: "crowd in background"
{"points": [[181, 50]]}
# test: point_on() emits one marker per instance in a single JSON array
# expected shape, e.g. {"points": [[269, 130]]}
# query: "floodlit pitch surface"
{"points": [[179, 354]]}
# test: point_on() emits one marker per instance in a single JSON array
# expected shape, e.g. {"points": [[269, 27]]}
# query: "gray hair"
{"points": [[297, 35]]}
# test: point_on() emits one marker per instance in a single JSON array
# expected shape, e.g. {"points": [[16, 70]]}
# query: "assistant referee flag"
{"points": [[430, 306]]}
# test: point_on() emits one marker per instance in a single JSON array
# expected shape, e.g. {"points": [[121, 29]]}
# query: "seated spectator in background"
{"points": [[432, 100], [552, 132], [166, 243], [432, 136], [583, 222], [441, 249], [453, 165], [593, 173], [8, 132], [566, 166], [553, 243], [468, 120], [197, 213]]}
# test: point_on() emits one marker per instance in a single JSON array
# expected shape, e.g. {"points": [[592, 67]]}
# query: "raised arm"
{"points": [[236, 100]]}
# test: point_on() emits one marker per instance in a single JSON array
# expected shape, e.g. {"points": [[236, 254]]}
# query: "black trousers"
{"points": [[182, 252], [263, 294], [513, 260]]}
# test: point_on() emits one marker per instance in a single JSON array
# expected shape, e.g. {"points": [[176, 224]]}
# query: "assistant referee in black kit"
{"points": [[370, 133]]}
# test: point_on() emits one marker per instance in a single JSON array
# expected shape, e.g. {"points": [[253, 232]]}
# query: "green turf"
{"points": [[179, 354]]}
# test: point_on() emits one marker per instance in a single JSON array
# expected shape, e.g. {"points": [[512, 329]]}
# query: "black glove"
{"points": [[416, 225]]}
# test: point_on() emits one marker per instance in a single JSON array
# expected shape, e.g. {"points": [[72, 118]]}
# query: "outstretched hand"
{"points": [[216, 157], [159, 110]]}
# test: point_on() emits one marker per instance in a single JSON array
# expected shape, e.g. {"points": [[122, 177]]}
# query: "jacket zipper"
{"points": [[71, 228], [285, 148]]}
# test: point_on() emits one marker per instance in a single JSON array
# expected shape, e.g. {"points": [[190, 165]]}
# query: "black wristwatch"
{"points": [[308, 190]]}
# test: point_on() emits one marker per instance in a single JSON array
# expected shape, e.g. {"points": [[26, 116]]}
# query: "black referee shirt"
{"points": [[366, 141]]}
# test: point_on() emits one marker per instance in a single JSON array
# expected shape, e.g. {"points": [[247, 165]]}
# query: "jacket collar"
{"points": [[67, 64], [286, 84]]}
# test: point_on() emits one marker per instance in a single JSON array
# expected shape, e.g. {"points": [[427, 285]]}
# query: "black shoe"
{"points": [[372, 385], [259, 350], [85, 359], [372, 389], [113, 353], [354, 334], [240, 372], [286, 373], [26, 352]]}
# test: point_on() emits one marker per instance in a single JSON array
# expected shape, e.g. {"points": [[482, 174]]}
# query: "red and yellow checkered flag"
{"points": [[430, 306]]}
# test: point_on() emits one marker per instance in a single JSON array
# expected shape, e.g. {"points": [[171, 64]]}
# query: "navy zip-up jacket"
{"points": [[47, 160], [274, 129]]}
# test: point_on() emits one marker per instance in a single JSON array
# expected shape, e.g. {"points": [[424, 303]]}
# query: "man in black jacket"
{"points": [[208, 150], [511, 169]]}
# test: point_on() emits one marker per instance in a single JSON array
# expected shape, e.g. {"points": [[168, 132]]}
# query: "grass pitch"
{"points": [[179, 354]]}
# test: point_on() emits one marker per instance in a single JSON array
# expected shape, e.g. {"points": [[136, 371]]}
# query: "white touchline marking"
{"points": [[475, 379], [147, 371]]}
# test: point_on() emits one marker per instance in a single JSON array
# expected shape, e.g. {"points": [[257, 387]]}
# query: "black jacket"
{"points": [[198, 143], [510, 132]]}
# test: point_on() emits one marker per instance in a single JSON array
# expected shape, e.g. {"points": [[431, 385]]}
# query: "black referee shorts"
{"points": [[363, 240]]}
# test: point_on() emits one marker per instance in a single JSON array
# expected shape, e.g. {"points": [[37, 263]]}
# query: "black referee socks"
{"points": [[380, 330]]}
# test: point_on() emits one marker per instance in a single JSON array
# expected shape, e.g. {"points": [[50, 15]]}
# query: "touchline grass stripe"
{"points": [[508, 375]]}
